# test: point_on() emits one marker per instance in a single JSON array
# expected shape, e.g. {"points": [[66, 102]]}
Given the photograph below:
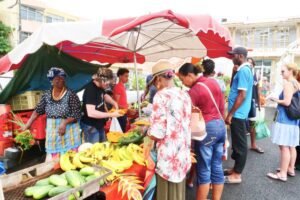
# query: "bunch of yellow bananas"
{"points": [[116, 166], [65, 161], [137, 153]]}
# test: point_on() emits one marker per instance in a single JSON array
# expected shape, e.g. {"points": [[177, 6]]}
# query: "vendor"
{"points": [[94, 114], [120, 96], [170, 128], [62, 108]]}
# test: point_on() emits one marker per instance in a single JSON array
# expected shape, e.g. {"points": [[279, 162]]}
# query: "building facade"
{"points": [[25, 16], [268, 41]]}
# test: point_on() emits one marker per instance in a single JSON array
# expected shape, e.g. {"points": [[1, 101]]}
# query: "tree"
{"points": [[5, 45]]}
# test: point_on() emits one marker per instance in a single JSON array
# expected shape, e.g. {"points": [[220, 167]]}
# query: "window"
{"points": [[244, 38], [32, 14], [264, 38], [283, 37], [54, 18], [24, 35], [263, 66]]}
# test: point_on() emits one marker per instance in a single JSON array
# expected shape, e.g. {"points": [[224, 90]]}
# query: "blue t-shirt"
{"points": [[243, 80]]}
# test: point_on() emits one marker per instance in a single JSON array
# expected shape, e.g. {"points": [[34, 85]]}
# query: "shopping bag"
{"points": [[198, 126], [115, 125], [262, 130]]}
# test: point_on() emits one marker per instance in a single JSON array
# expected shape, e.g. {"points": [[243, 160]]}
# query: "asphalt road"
{"points": [[256, 185]]}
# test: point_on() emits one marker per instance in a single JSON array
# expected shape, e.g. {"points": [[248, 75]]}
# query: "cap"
{"points": [[238, 50]]}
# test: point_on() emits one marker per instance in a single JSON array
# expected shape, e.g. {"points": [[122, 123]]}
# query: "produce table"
{"points": [[111, 191]]}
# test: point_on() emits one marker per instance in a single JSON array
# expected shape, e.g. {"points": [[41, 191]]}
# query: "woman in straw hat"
{"points": [[170, 129]]}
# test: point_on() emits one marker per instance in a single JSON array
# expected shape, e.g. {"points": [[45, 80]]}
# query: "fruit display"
{"points": [[113, 136], [133, 136], [57, 184]]}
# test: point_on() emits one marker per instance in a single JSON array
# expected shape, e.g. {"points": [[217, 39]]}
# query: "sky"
{"points": [[231, 9]]}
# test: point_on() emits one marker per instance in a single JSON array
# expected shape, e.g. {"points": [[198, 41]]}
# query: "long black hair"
{"points": [[187, 68]]}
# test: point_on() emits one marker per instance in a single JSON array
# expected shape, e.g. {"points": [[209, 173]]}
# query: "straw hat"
{"points": [[161, 67]]}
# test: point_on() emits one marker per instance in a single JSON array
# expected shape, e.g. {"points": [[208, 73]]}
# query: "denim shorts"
{"points": [[209, 154], [92, 134]]}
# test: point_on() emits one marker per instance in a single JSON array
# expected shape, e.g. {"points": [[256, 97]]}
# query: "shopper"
{"points": [[120, 96], [62, 108], [209, 99], [285, 131], [239, 102], [254, 110], [93, 109], [170, 128]]}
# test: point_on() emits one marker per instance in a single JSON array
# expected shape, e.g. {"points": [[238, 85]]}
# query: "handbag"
{"points": [[293, 110], [198, 126]]}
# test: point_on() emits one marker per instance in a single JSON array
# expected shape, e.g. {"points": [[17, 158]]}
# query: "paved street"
{"points": [[256, 185]]}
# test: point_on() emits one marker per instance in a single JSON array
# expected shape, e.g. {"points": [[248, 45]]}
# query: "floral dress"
{"points": [[170, 123]]}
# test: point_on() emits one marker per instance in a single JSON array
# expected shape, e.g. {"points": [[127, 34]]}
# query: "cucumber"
{"points": [[73, 178], [57, 180], [72, 197], [101, 182], [41, 191], [87, 171], [91, 177], [57, 190], [44, 181], [29, 191]]}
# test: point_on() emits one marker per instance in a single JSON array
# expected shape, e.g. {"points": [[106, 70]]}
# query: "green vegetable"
{"points": [[101, 182], [44, 181], [91, 177], [42, 191], [87, 171], [72, 197], [29, 191], [57, 180], [58, 190], [73, 178]]}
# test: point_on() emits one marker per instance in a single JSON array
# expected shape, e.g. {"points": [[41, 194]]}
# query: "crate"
{"points": [[6, 126], [38, 127], [14, 184], [4, 144], [26, 101]]}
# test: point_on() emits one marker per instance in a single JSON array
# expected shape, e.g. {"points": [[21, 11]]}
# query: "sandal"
{"points": [[277, 177], [291, 174], [227, 172], [258, 150], [232, 181]]}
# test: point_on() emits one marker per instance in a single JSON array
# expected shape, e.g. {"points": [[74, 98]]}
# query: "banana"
{"points": [[85, 159], [76, 161], [139, 159], [65, 162]]}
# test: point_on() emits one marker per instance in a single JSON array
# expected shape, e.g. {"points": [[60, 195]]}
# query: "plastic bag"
{"points": [[2, 168], [261, 127], [115, 125]]}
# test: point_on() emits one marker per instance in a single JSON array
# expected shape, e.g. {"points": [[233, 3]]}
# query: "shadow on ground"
{"points": [[256, 185]]}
